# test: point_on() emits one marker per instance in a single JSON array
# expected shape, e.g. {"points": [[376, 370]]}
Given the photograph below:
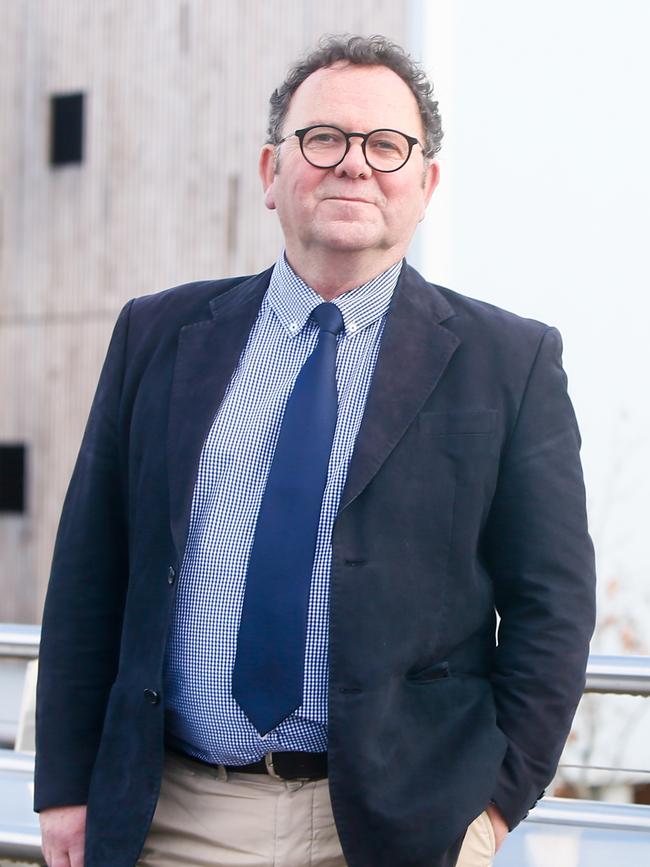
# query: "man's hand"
{"points": [[63, 830], [498, 824]]}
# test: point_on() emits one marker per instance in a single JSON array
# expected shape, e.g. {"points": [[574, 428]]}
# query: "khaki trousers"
{"points": [[214, 818]]}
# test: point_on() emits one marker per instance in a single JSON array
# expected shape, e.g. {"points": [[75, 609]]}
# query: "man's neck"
{"points": [[339, 273]]}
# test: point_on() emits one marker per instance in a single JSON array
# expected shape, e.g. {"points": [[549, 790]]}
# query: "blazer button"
{"points": [[152, 696], [171, 575]]}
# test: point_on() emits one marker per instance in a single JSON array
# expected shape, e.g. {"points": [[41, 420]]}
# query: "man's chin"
{"points": [[351, 237]]}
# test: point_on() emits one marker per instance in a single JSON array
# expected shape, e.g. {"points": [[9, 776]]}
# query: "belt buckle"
{"points": [[268, 761]]}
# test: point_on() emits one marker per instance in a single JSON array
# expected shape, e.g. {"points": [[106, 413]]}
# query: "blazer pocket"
{"points": [[468, 422], [430, 673]]}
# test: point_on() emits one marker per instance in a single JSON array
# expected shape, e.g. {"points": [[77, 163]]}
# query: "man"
{"points": [[299, 500]]}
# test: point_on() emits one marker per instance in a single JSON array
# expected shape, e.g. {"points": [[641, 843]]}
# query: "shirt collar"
{"points": [[292, 300]]}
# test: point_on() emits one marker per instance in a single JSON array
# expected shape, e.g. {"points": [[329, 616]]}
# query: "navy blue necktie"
{"points": [[267, 680]]}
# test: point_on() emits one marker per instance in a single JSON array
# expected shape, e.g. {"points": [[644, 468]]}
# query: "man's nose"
{"points": [[353, 164]]}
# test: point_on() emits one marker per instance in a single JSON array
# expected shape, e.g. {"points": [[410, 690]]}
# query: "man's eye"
{"points": [[323, 139], [384, 145]]}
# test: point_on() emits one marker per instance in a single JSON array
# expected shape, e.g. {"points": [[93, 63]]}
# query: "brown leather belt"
{"points": [[282, 766]]}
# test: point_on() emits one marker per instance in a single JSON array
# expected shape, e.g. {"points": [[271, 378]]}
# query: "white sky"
{"points": [[544, 209]]}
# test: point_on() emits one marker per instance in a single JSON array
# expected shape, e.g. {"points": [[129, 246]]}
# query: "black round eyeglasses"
{"points": [[324, 147]]}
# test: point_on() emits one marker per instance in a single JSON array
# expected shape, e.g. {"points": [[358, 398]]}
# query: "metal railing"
{"points": [[629, 675], [20, 837], [17, 845], [19, 641], [591, 814], [625, 675]]}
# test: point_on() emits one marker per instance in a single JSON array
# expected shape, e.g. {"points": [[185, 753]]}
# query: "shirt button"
{"points": [[171, 575], [152, 696]]}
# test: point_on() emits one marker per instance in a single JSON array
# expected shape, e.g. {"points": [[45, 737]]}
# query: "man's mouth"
{"points": [[348, 199]]}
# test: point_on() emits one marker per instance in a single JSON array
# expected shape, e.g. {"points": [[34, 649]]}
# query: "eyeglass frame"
{"points": [[301, 133]]}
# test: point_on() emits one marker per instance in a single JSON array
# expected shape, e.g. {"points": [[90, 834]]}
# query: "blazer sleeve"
{"points": [[82, 617], [541, 560]]}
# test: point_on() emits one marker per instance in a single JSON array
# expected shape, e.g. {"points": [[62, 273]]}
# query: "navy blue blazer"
{"points": [[464, 496]]}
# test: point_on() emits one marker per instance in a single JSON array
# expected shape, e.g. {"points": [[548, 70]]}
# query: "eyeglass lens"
{"points": [[386, 150]]}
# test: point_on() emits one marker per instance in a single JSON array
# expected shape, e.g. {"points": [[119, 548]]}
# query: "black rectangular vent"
{"points": [[12, 479], [66, 129]]}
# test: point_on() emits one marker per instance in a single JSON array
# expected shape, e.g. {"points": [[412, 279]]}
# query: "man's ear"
{"points": [[431, 178], [267, 174]]}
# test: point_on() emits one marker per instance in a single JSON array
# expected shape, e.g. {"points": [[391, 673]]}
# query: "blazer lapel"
{"points": [[207, 354], [415, 350]]}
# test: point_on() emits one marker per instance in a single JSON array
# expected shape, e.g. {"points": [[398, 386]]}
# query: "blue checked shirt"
{"points": [[202, 718]]}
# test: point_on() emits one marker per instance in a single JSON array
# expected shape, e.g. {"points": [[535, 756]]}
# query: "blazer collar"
{"points": [[240, 296], [207, 354], [414, 353]]}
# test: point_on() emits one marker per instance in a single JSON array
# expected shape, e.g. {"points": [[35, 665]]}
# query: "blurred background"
{"points": [[129, 139]]}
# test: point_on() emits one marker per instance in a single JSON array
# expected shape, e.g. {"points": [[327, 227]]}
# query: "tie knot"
{"points": [[328, 317]]}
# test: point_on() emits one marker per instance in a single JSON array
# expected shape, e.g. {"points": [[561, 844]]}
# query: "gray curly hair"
{"points": [[364, 51]]}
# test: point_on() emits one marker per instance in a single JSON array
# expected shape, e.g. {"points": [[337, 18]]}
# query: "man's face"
{"points": [[350, 208]]}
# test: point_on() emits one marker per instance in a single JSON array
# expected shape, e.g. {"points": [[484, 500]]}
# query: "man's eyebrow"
{"points": [[344, 129]]}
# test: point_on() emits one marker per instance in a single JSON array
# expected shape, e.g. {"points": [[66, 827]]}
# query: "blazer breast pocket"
{"points": [[463, 441]]}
